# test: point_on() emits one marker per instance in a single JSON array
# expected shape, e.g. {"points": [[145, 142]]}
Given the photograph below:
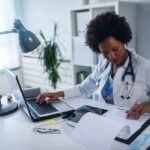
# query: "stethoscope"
{"points": [[125, 87], [126, 91]]}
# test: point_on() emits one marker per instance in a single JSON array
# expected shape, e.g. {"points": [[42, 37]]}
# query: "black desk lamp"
{"points": [[28, 42]]}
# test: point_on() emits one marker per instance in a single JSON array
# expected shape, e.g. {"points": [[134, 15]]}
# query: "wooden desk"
{"points": [[16, 132]]}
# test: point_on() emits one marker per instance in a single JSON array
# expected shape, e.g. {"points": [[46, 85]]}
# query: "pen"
{"points": [[124, 109], [48, 122], [70, 125]]}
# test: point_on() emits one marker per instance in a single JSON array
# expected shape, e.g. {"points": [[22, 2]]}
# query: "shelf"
{"points": [[80, 50], [81, 73], [80, 19]]}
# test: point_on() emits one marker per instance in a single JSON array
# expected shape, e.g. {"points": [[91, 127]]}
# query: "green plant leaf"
{"points": [[43, 37], [49, 54]]}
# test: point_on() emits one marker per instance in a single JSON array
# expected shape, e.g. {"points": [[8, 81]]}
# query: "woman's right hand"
{"points": [[49, 97]]}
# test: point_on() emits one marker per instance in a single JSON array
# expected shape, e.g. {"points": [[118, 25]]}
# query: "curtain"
{"points": [[9, 54]]}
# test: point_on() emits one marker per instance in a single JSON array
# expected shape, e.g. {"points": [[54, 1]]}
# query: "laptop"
{"points": [[34, 110]]}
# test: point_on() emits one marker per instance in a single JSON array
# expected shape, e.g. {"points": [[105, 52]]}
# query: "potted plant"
{"points": [[50, 55]]}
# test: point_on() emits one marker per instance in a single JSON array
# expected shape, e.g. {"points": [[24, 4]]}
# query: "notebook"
{"points": [[34, 110]]}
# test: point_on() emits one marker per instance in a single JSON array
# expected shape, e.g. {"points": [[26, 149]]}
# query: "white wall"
{"points": [[143, 30], [39, 15], [4, 84]]}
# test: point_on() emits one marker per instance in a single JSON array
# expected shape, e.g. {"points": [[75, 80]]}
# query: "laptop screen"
{"points": [[16, 90]]}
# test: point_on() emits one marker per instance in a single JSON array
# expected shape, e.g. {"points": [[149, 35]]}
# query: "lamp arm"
{"points": [[10, 31]]}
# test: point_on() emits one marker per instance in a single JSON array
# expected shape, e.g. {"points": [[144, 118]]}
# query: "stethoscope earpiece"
{"points": [[122, 96]]}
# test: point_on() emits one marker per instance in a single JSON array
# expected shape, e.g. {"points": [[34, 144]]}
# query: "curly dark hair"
{"points": [[105, 25]]}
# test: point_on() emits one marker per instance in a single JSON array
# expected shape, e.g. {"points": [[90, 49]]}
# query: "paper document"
{"points": [[97, 132], [119, 115]]}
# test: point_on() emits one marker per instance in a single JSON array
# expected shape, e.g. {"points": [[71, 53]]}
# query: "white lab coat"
{"points": [[140, 91]]}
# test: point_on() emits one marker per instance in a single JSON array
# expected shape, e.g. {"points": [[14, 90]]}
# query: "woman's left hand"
{"points": [[138, 110]]}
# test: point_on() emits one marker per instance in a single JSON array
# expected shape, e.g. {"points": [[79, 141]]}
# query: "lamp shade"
{"points": [[27, 40]]}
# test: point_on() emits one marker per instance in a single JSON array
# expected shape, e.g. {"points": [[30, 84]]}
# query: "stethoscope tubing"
{"points": [[128, 71]]}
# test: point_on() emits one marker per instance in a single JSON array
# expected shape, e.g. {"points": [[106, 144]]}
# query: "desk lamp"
{"points": [[28, 42]]}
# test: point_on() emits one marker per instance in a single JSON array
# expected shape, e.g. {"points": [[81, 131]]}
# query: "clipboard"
{"points": [[135, 135]]}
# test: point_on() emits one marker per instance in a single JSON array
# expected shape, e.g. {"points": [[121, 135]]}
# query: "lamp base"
{"points": [[8, 108]]}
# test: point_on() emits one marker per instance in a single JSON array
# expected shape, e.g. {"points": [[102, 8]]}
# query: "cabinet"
{"points": [[83, 59]]}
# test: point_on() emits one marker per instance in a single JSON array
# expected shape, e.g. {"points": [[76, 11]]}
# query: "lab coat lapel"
{"points": [[103, 79], [118, 82]]}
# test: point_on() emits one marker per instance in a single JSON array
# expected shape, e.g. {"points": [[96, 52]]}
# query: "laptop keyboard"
{"points": [[42, 108]]}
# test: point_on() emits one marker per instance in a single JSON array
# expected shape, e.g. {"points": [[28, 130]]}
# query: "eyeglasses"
{"points": [[47, 130]]}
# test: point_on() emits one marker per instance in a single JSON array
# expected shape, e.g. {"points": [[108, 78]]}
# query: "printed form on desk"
{"points": [[98, 132], [119, 115]]}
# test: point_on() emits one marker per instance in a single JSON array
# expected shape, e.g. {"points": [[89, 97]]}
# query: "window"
{"points": [[9, 55]]}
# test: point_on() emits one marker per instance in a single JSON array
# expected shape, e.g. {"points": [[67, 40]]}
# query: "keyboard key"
{"points": [[42, 108]]}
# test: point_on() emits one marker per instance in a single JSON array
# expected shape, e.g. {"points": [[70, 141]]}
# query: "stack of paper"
{"points": [[98, 132]]}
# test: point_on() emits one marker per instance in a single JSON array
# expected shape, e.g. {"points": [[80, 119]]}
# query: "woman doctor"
{"points": [[122, 77]]}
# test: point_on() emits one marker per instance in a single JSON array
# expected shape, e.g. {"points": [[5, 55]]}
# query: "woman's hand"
{"points": [[138, 110], [49, 97]]}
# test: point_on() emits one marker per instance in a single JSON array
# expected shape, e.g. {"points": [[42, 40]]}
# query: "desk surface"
{"points": [[16, 132]]}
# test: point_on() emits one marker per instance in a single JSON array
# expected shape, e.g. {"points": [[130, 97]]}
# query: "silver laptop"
{"points": [[34, 110]]}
